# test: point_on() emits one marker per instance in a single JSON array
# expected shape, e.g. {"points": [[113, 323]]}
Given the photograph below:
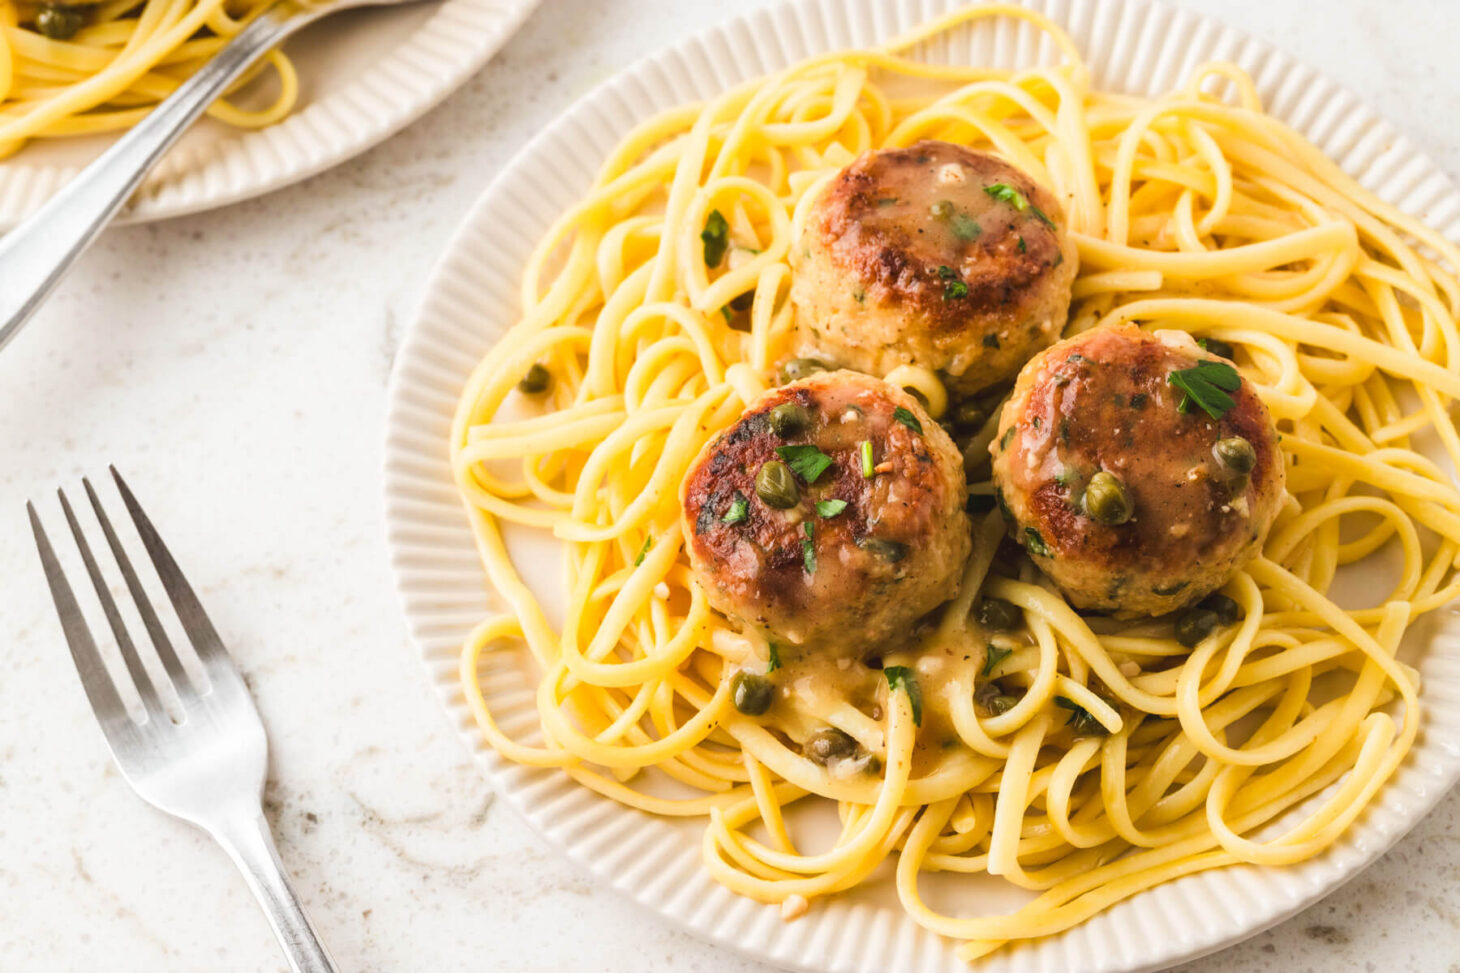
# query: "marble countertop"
{"points": [[234, 364]]}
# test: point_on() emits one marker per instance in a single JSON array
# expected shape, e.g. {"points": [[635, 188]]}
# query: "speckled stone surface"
{"points": [[234, 365]]}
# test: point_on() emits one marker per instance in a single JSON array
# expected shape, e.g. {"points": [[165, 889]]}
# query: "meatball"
{"points": [[933, 255], [1124, 488], [830, 515]]}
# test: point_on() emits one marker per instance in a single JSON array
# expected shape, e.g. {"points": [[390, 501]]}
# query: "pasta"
{"points": [[126, 56], [1124, 759]]}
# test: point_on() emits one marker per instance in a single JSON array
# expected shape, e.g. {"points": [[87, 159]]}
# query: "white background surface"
{"points": [[233, 365]]}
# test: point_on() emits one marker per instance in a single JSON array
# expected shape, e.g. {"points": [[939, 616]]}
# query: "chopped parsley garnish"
{"points": [[648, 543], [1042, 217], [1206, 384], [775, 658], [1005, 193], [1066, 476], [991, 341], [867, 465], [902, 677], [964, 227], [887, 201], [739, 510], [808, 546], [1035, 543], [830, 508], [993, 655], [907, 419], [806, 461], [953, 288], [716, 237], [729, 314], [1022, 247], [1007, 437], [1080, 721], [1003, 505]]}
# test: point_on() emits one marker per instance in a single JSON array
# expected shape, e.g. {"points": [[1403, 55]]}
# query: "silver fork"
{"points": [[205, 766], [36, 254]]}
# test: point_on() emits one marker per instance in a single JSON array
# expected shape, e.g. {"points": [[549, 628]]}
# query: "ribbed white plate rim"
{"points": [[416, 75], [472, 294]]}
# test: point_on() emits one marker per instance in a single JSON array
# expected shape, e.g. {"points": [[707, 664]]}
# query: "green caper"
{"points": [[999, 615], [1002, 703], [59, 22], [799, 368], [751, 693], [829, 744], [1227, 610], [1195, 624], [941, 210], [1219, 347], [789, 418], [968, 416], [892, 551], [1106, 500], [1236, 454], [776, 485], [536, 381], [992, 697]]}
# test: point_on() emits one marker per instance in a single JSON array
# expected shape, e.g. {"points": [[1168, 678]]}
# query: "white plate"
{"points": [[364, 75], [1132, 46]]}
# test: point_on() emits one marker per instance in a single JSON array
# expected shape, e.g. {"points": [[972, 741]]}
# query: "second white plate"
{"points": [[364, 75]]}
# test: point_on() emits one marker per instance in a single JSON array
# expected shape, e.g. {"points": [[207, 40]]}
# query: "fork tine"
{"points": [[189, 610], [140, 677], [160, 641], [107, 704]]}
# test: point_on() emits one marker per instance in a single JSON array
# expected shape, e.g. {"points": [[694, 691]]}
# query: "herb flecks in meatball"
{"points": [[1139, 470], [858, 530], [933, 255]]}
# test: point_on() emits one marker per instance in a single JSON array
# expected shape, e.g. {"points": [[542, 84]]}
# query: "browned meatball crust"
{"points": [[933, 255], [842, 577], [1103, 401]]}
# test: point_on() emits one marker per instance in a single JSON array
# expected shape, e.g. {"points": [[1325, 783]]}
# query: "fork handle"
{"points": [[250, 844], [36, 254]]}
